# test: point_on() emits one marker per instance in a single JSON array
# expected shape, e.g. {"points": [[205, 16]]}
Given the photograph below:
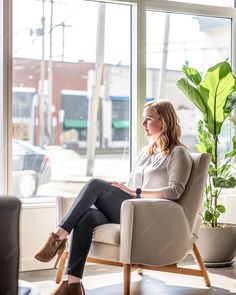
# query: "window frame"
{"points": [[5, 95]]}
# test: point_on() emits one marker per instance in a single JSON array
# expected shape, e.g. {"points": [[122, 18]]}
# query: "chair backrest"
{"points": [[9, 249], [192, 197]]}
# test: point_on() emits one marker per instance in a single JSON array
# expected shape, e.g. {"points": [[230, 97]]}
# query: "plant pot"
{"points": [[217, 245]]}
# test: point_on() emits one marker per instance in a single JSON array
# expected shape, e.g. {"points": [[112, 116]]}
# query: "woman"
{"points": [[162, 171]]}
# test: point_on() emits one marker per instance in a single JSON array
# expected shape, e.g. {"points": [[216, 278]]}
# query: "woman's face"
{"points": [[152, 122]]}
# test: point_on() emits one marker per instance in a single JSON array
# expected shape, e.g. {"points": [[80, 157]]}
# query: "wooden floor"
{"points": [[102, 280]]}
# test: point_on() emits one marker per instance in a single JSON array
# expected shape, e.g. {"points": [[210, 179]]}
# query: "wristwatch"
{"points": [[138, 192]]}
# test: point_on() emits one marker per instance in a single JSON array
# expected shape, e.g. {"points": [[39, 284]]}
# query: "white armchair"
{"points": [[154, 234]]}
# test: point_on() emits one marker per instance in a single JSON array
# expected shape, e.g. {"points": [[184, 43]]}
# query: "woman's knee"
{"points": [[96, 183]]}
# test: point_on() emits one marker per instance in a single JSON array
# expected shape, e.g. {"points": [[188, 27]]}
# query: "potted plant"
{"points": [[215, 97]]}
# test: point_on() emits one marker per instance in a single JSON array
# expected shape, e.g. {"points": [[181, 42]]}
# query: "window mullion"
{"points": [[5, 94], [138, 74]]}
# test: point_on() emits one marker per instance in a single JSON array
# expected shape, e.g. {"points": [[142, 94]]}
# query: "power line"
{"points": [[39, 31], [70, 15]]}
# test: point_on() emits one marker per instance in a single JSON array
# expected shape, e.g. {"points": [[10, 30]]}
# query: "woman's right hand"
{"points": [[123, 187]]}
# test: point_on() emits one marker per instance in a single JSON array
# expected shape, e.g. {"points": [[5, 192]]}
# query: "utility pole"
{"points": [[63, 25], [63, 41], [164, 58], [50, 80], [42, 81], [93, 104], [46, 95]]}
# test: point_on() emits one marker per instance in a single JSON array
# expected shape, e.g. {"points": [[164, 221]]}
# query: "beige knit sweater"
{"points": [[168, 174]]}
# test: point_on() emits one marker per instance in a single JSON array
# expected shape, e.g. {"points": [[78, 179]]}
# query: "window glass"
{"points": [[120, 119], [174, 40], [71, 60]]}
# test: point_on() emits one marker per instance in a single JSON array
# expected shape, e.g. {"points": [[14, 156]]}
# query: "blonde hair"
{"points": [[171, 131]]}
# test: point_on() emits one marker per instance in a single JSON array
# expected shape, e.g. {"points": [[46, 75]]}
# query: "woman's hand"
{"points": [[123, 187], [152, 193]]}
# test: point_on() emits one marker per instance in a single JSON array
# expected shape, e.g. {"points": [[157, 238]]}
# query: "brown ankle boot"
{"points": [[69, 289], [52, 247]]}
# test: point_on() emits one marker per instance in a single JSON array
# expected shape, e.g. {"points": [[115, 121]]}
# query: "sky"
{"points": [[186, 41], [80, 35]]}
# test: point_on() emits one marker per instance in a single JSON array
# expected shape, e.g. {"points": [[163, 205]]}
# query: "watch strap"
{"points": [[138, 192]]}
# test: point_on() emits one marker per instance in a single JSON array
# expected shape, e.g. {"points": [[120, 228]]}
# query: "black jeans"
{"points": [[82, 219]]}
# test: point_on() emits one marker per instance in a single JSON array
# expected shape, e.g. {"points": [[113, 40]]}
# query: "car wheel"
{"points": [[28, 185]]}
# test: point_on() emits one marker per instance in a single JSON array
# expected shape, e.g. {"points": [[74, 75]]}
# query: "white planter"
{"points": [[217, 245]]}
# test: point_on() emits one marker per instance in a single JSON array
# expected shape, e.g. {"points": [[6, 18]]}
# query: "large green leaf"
{"points": [[192, 74], [230, 103], [192, 94], [205, 141], [230, 154], [234, 141], [225, 183], [208, 216], [221, 208], [215, 96], [220, 82]]}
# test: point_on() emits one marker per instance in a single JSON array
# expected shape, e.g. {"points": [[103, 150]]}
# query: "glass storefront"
{"points": [[70, 60]]}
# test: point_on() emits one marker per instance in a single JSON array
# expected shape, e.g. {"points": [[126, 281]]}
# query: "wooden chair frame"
{"points": [[127, 268]]}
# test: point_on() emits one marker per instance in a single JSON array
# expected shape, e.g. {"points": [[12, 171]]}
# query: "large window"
{"points": [[81, 73], [70, 59], [174, 40]]}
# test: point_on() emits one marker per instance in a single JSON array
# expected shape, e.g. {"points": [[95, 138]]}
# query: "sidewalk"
{"points": [[69, 172]]}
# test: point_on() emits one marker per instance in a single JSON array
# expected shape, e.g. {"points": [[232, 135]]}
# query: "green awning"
{"points": [[120, 124], [75, 123]]}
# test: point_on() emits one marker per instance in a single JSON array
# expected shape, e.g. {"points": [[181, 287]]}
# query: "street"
{"points": [[69, 171]]}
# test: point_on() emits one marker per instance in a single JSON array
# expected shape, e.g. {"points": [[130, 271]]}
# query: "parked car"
{"points": [[31, 167]]}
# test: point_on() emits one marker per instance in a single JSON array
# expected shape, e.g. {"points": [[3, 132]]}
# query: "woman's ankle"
{"points": [[72, 279], [62, 234]]}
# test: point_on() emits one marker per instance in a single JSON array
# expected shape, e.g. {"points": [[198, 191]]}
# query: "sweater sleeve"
{"points": [[178, 168]]}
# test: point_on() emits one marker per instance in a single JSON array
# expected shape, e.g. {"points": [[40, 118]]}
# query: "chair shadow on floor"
{"points": [[229, 272], [149, 285]]}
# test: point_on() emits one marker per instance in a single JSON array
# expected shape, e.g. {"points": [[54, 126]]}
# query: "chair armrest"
{"points": [[153, 231], [63, 205]]}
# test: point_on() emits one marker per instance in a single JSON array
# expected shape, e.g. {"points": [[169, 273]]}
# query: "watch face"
{"points": [[138, 191]]}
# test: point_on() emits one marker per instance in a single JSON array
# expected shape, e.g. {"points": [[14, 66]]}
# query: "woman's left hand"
{"points": [[123, 187]]}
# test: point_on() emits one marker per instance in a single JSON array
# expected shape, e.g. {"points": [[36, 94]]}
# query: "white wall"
{"points": [[36, 222], [228, 199]]}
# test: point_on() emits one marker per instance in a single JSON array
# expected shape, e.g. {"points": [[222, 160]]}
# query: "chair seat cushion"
{"points": [[108, 233]]}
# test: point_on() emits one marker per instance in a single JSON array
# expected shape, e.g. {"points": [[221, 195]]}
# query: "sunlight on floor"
{"points": [[152, 283]]}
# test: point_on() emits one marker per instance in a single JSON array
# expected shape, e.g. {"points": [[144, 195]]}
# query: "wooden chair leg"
{"points": [[127, 274], [61, 267], [140, 271], [201, 265]]}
